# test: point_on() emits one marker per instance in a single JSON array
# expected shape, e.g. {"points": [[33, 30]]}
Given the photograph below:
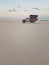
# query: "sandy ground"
{"points": [[24, 44]]}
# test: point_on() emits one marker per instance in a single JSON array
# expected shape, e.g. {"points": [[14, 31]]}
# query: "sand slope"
{"points": [[24, 44]]}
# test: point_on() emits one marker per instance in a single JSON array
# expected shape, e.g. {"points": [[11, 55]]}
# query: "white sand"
{"points": [[24, 44]]}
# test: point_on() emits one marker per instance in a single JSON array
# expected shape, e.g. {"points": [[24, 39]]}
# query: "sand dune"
{"points": [[24, 44]]}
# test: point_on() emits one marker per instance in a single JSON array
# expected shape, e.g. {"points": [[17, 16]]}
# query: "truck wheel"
{"points": [[32, 21], [23, 21]]}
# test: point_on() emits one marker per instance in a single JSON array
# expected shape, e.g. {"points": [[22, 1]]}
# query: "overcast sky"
{"points": [[23, 8]]}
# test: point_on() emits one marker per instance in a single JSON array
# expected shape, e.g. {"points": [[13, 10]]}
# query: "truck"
{"points": [[32, 19]]}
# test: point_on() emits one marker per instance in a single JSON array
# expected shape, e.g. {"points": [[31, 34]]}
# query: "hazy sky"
{"points": [[23, 8]]}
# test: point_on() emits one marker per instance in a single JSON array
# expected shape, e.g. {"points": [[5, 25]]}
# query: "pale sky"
{"points": [[23, 8]]}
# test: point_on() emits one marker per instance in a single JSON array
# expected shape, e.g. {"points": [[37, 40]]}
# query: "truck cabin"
{"points": [[33, 18]]}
